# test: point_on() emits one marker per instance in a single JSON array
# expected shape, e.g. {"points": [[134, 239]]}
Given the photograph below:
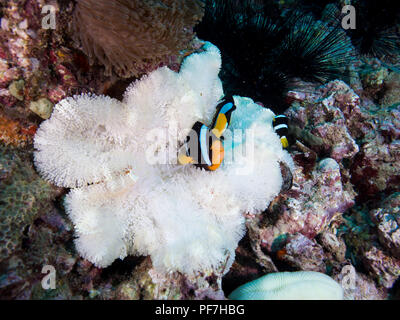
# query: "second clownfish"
{"points": [[280, 124], [203, 146]]}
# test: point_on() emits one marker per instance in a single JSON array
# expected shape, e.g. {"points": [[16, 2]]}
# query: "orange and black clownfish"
{"points": [[203, 146], [222, 117], [280, 124]]}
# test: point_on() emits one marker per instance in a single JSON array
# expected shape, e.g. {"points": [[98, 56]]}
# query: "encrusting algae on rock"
{"points": [[24, 196], [14, 134]]}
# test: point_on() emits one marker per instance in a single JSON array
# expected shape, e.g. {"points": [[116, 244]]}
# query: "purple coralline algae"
{"points": [[346, 154], [387, 221], [302, 253], [358, 286], [316, 199]]}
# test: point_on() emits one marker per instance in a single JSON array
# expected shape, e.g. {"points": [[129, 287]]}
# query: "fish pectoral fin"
{"points": [[220, 125], [285, 142], [217, 133], [217, 153], [184, 159]]}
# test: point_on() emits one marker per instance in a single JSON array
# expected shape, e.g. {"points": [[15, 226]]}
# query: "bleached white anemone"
{"points": [[129, 194]]}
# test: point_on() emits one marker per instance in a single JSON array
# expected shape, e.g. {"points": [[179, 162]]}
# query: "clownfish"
{"points": [[280, 124], [203, 147], [222, 116]]}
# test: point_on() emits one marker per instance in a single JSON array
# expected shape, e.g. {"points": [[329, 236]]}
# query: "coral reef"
{"points": [[358, 286], [357, 230], [339, 126], [38, 63], [369, 239], [323, 125], [339, 215], [313, 203], [12, 133], [302, 253], [133, 37], [391, 91], [23, 197], [379, 156], [49, 241], [333, 245], [146, 283], [44, 243], [387, 221], [384, 268]]}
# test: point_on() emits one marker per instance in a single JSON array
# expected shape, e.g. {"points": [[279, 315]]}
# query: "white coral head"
{"points": [[300, 285]]}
